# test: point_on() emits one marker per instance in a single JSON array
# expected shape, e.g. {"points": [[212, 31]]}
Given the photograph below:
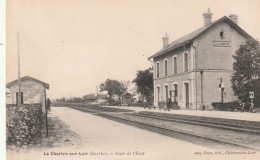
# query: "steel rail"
{"points": [[165, 130], [200, 123], [176, 116]]}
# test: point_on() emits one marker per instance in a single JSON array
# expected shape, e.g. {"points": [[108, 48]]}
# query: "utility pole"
{"points": [[19, 81], [201, 90], [222, 88], [222, 96]]}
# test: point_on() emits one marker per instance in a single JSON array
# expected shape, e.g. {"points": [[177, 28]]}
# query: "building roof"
{"points": [[195, 34], [27, 78], [126, 93]]}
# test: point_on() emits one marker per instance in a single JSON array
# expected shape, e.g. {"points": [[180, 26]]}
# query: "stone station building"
{"points": [[190, 69]]}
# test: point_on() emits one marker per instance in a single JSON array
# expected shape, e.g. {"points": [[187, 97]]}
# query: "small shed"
{"points": [[32, 91], [126, 99]]}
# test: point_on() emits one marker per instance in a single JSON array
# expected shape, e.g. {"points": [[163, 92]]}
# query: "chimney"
{"points": [[234, 18], [207, 18], [165, 40]]}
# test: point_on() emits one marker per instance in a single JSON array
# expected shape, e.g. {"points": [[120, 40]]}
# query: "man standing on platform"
{"points": [[48, 104]]}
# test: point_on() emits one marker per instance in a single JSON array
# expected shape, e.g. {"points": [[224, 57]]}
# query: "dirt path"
{"points": [[82, 136]]}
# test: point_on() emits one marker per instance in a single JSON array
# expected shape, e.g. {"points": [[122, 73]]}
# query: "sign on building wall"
{"points": [[222, 43]]}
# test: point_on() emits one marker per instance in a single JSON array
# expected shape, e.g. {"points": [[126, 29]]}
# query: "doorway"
{"points": [[17, 97], [187, 98]]}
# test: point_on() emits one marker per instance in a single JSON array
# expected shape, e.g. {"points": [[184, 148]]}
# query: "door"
{"points": [[17, 97], [158, 95], [187, 100], [166, 94], [175, 93]]}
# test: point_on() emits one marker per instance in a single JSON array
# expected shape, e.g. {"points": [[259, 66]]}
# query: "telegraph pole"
{"points": [[19, 81], [201, 89], [221, 89]]}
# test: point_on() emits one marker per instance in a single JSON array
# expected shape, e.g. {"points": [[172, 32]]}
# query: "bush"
{"points": [[229, 106], [174, 105], [113, 102], [142, 104], [24, 125]]}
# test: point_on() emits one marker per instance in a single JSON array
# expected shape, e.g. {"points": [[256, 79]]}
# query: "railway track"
{"points": [[112, 113], [227, 126]]}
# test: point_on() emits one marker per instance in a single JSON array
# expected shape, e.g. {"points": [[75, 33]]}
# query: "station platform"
{"points": [[243, 116], [104, 139]]}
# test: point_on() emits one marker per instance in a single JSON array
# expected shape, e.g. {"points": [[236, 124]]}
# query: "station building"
{"points": [[190, 69], [126, 99], [32, 91]]}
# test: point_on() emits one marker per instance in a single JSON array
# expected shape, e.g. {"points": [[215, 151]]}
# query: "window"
{"points": [[165, 67], [175, 65], [221, 34], [157, 69], [185, 62]]}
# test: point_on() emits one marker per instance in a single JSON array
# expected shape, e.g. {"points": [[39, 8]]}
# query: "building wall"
{"points": [[211, 57], [216, 62], [179, 79], [169, 57], [210, 83], [33, 92], [8, 99]]}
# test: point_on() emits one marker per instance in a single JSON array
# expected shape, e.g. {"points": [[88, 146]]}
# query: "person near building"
{"points": [[48, 104], [168, 104]]}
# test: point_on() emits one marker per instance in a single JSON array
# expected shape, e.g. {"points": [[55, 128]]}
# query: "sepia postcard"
{"points": [[130, 79]]}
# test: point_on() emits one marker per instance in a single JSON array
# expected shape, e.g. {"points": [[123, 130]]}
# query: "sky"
{"points": [[74, 45]]}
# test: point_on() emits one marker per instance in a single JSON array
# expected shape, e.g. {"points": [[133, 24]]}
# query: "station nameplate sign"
{"points": [[222, 43]]}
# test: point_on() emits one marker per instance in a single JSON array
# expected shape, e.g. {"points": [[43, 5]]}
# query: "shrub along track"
{"points": [[208, 134]]}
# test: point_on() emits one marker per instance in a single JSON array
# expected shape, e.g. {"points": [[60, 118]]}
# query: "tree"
{"points": [[245, 66], [144, 83], [76, 100], [112, 87], [63, 99], [126, 84]]}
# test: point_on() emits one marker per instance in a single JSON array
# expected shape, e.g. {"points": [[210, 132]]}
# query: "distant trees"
{"points": [[76, 100], [113, 87], [63, 99], [143, 86], [144, 83], [247, 69], [71, 100], [126, 84]]}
